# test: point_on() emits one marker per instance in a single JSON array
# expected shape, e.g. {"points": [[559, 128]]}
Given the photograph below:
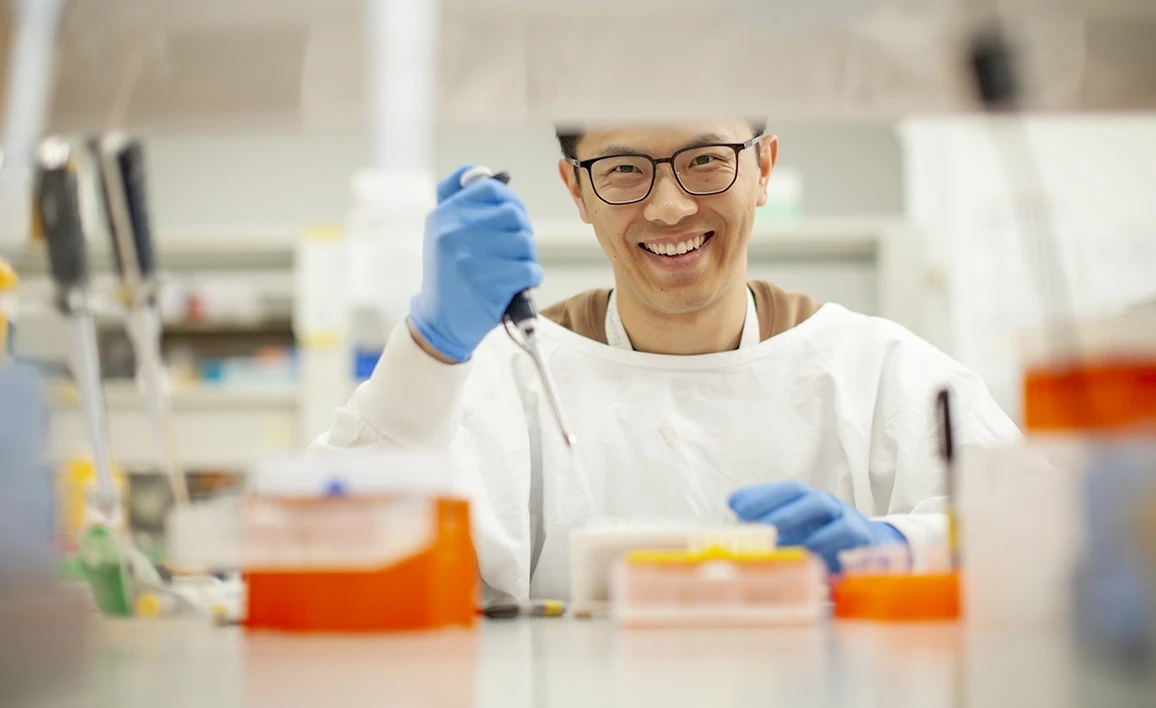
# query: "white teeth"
{"points": [[676, 249]]}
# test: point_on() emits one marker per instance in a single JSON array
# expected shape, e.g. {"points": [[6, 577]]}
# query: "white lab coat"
{"points": [[842, 402]]}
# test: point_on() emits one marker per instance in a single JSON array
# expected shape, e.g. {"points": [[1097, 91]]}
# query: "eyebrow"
{"points": [[617, 149], [705, 139], [697, 141]]}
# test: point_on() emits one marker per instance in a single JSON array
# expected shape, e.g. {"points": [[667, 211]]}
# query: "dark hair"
{"points": [[568, 139]]}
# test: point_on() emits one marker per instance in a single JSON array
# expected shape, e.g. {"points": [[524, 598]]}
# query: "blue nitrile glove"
{"points": [[805, 516], [478, 253]]}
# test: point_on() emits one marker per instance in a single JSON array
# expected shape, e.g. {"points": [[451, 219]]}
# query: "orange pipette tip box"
{"points": [[905, 597], [426, 584]]}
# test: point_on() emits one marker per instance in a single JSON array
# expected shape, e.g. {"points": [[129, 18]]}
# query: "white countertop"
{"points": [[564, 663]]}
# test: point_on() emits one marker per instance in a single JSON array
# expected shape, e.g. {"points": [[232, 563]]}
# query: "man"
{"points": [[692, 392]]}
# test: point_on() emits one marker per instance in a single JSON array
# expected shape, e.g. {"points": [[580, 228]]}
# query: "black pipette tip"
{"points": [[502, 611], [993, 69]]}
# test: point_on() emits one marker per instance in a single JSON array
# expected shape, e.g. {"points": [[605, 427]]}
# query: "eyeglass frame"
{"points": [[656, 161]]}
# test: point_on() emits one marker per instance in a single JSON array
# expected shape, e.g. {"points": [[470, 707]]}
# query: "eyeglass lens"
{"points": [[703, 170]]}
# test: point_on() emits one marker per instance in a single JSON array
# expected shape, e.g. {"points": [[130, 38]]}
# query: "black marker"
{"points": [[947, 451]]}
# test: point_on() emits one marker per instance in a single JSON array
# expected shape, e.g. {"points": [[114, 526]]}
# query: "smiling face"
{"points": [[673, 251]]}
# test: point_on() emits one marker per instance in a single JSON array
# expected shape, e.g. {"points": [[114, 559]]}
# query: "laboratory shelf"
{"points": [[125, 394], [871, 264], [821, 239], [272, 249], [227, 327], [826, 237], [226, 426]]}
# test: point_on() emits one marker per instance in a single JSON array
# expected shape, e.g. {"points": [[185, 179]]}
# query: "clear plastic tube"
{"points": [[86, 369]]}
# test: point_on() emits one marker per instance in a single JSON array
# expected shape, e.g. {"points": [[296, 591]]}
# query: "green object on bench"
{"points": [[105, 566]]}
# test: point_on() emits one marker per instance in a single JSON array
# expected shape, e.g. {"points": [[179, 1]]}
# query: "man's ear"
{"points": [[768, 156], [570, 177]]}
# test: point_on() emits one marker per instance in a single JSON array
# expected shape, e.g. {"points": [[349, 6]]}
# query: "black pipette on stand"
{"points": [[58, 205], [121, 168], [523, 316]]}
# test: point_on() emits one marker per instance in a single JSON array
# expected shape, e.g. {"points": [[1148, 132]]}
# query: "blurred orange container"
{"points": [[878, 583], [1094, 376], [1092, 396], [903, 597], [359, 564], [352, 543]]}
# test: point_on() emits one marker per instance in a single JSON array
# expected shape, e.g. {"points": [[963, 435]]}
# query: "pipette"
{"points": [[523, 316], [121, 168], [58, 204], [947, 451]]}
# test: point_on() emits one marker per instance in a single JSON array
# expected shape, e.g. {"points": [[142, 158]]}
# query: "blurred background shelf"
{"points": [[217, 427], [834, 238], [124, 394], [180, 252], [228, 328], [228, 303], [869, 263]]}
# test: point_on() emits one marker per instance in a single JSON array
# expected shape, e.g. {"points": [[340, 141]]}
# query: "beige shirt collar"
{"points": [[616, 333]]}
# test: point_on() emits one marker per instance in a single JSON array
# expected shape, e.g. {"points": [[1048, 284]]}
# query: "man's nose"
{"points": [[668, 203]]}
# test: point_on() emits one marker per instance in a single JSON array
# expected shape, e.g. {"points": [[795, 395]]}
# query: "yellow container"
{"points": [[8, 285], [8, 278], [719, 587]]}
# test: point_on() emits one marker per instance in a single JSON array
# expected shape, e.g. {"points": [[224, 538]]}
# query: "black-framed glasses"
{"points": [[701, 170]]}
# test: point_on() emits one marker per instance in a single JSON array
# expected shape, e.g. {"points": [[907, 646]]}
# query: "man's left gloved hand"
{"points": [[805, 516]]}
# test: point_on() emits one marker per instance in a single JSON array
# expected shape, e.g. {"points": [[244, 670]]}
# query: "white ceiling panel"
{"points": [[300, 63]]}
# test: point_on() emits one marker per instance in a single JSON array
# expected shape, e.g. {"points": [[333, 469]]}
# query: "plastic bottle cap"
{"points": [[474, 174], [8, 278], [148, 605]]}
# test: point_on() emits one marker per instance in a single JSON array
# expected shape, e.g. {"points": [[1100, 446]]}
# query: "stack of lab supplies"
{"points": [[719, 586], [360, 543], [676, 573]]}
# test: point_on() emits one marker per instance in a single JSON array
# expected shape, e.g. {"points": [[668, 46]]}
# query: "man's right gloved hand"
{"points": [[478, 253]]}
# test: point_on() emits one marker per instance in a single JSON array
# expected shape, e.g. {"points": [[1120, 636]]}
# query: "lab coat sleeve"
{"points": [[907, 474], [473, 410]]}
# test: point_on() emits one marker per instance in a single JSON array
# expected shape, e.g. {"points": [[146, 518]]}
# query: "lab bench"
{"points": [[565, 663]]}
